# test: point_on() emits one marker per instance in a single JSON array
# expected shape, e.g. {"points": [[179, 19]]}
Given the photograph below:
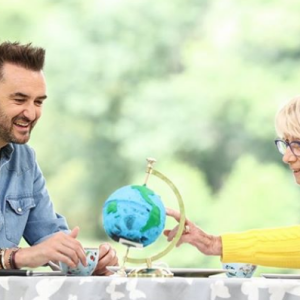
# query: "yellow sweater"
{"points": [[276, 247]]}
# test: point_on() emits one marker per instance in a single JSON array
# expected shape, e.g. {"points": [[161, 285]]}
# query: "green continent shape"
{"points": [[154, 219], [112, 207]]}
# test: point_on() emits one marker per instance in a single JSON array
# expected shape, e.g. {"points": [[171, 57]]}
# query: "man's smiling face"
{"points": [[22, 93]]}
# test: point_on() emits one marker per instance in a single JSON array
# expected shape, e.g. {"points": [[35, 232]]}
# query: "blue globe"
{"points": [[134, 213]]}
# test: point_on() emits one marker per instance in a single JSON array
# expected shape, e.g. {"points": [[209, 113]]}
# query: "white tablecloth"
{"points": [[115, 288]]}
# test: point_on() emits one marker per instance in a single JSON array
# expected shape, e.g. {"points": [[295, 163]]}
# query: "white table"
{"points": [[115, 288]]}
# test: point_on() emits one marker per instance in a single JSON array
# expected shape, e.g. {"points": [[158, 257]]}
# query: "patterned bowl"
{"points": [[92, 255], [239, 270]]}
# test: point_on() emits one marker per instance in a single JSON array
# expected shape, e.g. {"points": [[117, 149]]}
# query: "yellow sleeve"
{"points": [[276, 247]]}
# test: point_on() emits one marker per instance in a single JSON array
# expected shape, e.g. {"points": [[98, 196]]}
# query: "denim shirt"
{"points": [[25, 206]]}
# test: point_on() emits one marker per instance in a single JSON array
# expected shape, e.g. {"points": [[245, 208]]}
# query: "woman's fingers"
{"points": [[173, 213], [176, 215], [167, 232]]}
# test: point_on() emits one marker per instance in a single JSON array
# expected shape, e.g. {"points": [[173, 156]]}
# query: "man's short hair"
{"points": [[25, 56]]}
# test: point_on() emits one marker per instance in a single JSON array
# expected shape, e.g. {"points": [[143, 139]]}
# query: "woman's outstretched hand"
{"points": [[205, 243]]}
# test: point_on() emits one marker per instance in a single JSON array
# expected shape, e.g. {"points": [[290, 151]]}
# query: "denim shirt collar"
{"points": [[20, 165], [7, 151]]}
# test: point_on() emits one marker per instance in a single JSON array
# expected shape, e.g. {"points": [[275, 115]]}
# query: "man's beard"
{"points": [[6, 129]]}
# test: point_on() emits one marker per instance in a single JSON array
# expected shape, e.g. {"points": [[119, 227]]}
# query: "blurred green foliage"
{"points": [[195, 84]]}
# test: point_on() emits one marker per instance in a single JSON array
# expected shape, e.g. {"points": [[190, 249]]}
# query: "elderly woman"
{"points": [[276, 247]]}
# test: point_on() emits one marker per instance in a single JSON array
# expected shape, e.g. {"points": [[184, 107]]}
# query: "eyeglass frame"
{"points": [[288, 144]]}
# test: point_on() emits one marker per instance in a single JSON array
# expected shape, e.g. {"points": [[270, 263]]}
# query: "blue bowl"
{"points": [[92, 255], [239, 270]]}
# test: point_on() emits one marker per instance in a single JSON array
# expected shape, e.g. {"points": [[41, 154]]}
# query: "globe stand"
{"points": [[151, 271]]}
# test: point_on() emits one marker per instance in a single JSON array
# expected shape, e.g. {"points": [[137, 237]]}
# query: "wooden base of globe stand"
{"points": [[151, 271]]}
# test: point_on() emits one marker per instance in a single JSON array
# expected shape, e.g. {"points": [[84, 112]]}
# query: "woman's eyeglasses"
{"points": [[283, 145]]}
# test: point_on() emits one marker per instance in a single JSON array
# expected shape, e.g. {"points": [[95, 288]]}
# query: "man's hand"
{"points": [[59, 247], [207, 244], [107, 257]]}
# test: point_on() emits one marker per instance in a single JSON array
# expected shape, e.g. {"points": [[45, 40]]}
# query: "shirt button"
{"points": [[19, 209]]}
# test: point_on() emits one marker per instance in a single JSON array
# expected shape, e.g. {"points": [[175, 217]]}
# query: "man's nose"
{"points": [[289, 156], [30, 112]]}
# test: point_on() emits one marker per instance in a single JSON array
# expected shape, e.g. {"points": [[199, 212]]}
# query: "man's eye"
{"points": [[39, 103], [20, 101]]}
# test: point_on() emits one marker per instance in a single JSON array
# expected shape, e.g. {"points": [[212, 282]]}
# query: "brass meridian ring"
{"points": [[180, 227]]}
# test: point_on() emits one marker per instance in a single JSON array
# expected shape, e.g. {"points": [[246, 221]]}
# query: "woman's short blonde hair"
{"points": [[287, 121]]}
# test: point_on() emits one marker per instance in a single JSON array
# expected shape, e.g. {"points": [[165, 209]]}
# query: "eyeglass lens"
{"points": [[282, 146]]}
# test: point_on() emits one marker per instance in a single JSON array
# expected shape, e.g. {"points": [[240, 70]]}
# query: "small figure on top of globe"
{"points": [[134, 215]]}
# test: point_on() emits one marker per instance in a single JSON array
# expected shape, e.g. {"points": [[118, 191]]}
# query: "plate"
{"points": [[18, 272], [46, 273], [180, 272], [281, 276]]}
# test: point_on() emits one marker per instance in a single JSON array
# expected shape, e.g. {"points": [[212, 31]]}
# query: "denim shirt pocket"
{"points": [[16, 215]]}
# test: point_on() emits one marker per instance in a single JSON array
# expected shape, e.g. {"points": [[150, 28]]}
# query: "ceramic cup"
{"points": [[239, 270], [92, 255]]}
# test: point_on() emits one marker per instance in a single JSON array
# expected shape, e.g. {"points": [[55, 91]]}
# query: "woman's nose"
{"points": [[289, 156]]}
